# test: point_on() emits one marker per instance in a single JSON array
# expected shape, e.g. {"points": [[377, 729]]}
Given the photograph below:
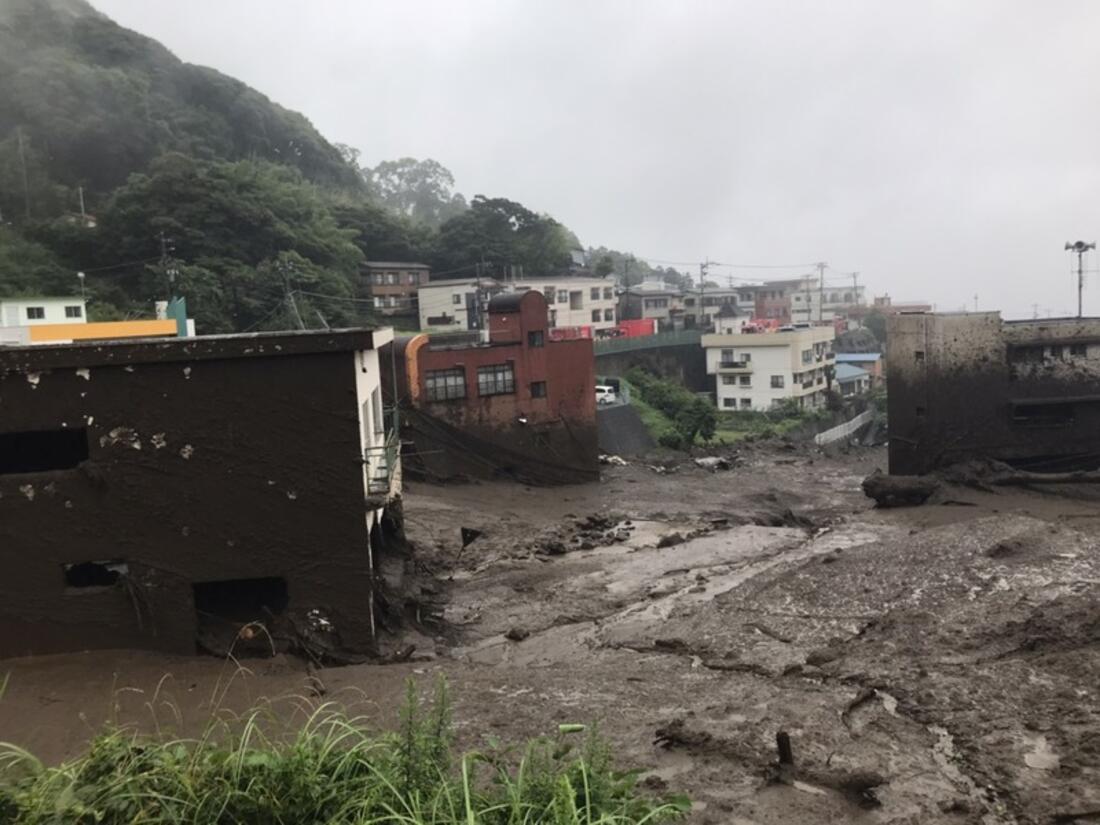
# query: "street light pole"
{"points": [[1080, 247]]}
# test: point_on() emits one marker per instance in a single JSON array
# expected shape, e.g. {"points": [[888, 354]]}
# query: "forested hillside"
{"points": [[201, 186]]}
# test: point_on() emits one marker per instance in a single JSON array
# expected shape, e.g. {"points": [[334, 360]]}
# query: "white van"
{"points": [[605, 394]]}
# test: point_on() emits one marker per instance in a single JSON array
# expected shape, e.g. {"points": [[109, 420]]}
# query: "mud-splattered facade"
{"points": [[521, 405], [971, 385], [151, 488]]}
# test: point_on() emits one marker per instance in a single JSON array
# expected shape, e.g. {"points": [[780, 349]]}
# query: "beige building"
{"points": [[753, 371]]}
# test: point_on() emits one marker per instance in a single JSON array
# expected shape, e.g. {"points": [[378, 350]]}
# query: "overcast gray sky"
{"points": [[942, 149]]}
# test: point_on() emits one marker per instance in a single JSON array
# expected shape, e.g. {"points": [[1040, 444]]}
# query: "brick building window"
{"points": [[498, 379], [538, 389], [445, 385], [535, 338]]}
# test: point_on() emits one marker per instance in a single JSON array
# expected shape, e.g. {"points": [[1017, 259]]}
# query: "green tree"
{"points": [[227, 224], [421, 190], [875, 321], [504, 234], [605, 265]]}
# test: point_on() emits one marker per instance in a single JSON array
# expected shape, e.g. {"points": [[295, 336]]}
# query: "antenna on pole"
{"points": [[1080, 247]]}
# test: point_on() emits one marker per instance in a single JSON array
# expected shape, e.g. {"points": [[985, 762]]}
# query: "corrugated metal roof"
{"points": [[857, 357], [846, 373]]}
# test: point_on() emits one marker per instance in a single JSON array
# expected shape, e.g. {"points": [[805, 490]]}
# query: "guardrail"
{"points": [[844, 430], [684, 337]]}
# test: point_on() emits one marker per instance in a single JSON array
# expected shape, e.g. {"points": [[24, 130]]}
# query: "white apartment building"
{"points": [[451, 306], [455, 305], [16, 314], [576, 302], [25, 312], [810, 303], [755, 370]]}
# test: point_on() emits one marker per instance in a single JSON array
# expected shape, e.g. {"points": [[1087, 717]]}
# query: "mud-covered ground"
{"points": [[932, 664]]}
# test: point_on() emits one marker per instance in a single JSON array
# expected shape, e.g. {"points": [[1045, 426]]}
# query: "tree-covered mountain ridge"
{"points": [[193, 183]]}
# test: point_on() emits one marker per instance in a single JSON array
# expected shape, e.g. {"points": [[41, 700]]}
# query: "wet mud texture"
{"points": [[933, 664]]}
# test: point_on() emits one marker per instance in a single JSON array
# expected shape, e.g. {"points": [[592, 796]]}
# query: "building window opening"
{"points": [[40, 451], [1079, 350], [498, 379], [94, 574], [74, 312], [535, 338], [36, 313], [224, 608], [538, 389], [445, 385]]}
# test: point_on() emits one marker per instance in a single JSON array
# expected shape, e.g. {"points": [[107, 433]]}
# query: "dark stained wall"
{"points": [[197, 471], [971, 385]]}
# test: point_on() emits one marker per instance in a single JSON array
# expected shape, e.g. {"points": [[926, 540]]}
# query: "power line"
{"points": [[120, 266]]}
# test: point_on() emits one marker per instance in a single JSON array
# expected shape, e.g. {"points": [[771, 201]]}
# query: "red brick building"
{"points": [[520, 405]]}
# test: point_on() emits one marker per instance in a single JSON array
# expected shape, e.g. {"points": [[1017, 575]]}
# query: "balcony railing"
{"points": [[830, 356], [806, 385], [735, 366], [382, 466]]}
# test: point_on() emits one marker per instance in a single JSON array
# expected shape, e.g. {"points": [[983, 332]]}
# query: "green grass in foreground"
{"points": [[331, 771]]}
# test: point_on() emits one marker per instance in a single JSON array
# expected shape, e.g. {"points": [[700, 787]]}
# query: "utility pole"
{"points": [[703, 267], [975, 302], [83, 216], [26, 182], [855, 289], [1034, 311], [167, 267], [821, 290], [292, 305], [1080, 247]]}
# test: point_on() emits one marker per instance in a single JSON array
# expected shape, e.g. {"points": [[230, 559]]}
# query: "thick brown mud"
{"points": [[936, 664]]}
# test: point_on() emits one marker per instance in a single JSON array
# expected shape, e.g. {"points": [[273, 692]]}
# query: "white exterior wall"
{"points": [[439, 299], [13, 311], [749, 386], [372, 424], [563, 314]]}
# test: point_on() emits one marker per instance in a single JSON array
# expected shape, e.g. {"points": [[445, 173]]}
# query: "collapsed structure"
{"points": [[155, 491], [967, 385], [519, 404]]}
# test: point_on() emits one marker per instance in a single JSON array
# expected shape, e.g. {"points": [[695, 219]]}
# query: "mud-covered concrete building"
{"points": [[967, 385], [520, 405], [155, 491]]}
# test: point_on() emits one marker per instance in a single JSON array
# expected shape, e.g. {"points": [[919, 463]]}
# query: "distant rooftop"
{"points": [[395, 265], [857, 356], [846, 372]]}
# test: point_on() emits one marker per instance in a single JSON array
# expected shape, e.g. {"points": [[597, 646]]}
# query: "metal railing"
{"points": [[661, 339], [734, 365], [381, 464]]}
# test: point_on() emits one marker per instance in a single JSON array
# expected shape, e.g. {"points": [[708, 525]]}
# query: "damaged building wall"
{"points": [[540, 428], [972, 385], [150, 469]]}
